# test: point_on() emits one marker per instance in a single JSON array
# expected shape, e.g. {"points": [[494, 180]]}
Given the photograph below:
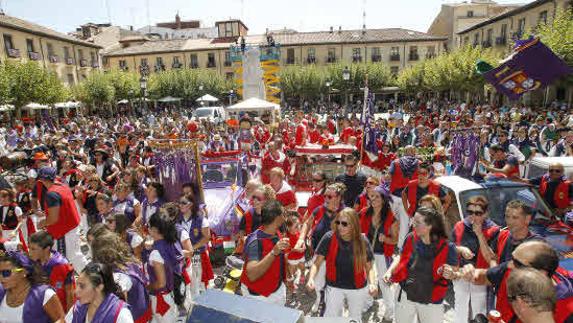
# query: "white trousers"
{"points": [[406, 311], [170, 316], [469, 296], [387, 292], [319, 280], [73, 249], [400, 214], [278, 297], [356, 298]]}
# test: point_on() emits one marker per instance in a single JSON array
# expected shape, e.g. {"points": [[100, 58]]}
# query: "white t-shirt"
{"points": [[123, 281], [124, 316], [136, 240], [156, 256], [14, 314]]}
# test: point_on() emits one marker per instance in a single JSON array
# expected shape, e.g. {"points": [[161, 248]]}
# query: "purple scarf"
{"points": [[408, 165], [107, 311]]}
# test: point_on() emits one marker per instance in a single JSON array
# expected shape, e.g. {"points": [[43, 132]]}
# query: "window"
{"points": [[414, 53], [159, 66], [331, 55], [228, 61], [30, 45], [93, 59], [229, 75], [194, 62], [431, 52], [80, 54], [71, 79], [210, 60], [470, 14], [143, 62], [66, 53], [488, 39], [176, 63], [376, 54], [9, 46], [311, 56], [229, 29], [122, 64], [356, 55], [50, 50], [503, 31], [521, 26], [394, 70], [476, 39], [395, 54], [542, 17], [290, 55], [466, 40]]}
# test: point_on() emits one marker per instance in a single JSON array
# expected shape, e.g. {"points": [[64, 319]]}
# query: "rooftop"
{"points": [[284, 39], [26, 26]]}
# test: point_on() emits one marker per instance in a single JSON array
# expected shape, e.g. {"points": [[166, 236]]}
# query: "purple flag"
{"points": [[369, 132], [531, 66]]}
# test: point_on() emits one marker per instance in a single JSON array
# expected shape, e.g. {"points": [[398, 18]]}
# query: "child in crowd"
{"points": [[295, 257]]}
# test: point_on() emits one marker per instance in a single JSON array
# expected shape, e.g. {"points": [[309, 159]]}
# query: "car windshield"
{"points": [[220, 173], [498, 198], [200, 113]]}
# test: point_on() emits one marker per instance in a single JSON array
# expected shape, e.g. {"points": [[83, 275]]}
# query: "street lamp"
{"points": [[143, 87], [130, 98], [231, 93], [328, 85], [346, 78]]}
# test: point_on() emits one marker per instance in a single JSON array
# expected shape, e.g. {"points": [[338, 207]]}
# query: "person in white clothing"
{"points": [[97, 298]]}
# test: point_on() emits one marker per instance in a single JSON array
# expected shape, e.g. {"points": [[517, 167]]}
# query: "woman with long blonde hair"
{"points": [[350, 274]]}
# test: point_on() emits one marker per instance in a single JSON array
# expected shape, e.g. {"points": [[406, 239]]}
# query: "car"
{"points": [[216, 115], [499, 191]]}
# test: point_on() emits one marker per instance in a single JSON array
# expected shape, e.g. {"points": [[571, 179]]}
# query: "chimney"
{"points": [[339, 29], [177, 21], [130, 28], [331, 29]]}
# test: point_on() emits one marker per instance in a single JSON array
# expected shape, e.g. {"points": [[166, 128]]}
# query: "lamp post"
{"points": [[143, 87], [346, 78], [130, 98], [328, 85], [201, 93], [231, 93]]}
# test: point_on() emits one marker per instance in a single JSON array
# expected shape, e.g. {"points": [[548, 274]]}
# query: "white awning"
{"points": [[168, 99], [6, 107], [207, 98], [36, 106], [253, 104]]}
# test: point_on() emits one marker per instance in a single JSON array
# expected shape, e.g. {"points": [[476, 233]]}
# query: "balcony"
{"points": [[356, 58], [70, 61], [123, 68], [95, 64], [290, 60], [34, 56], [211, 64], [501, 40], [194, 65], [83, 62], [413, 57], [13, 53], [53, 58], [331, 59], [176, 65], [395, 58], [159, 67], [228, 63], [376, 58], [311, 60]]}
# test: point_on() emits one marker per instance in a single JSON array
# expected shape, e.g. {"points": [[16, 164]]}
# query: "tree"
{"points": [[95, 90], [186, 83], [29, 82], [123, 83]]}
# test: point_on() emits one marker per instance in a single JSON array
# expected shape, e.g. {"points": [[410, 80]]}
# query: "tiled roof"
{"points": [[284, 39], [19, 24]]}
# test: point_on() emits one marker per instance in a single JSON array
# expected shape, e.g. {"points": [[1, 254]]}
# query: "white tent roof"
{"points": [[169, 99], [124, 101], [207, 98], [254, 104], [69, 104], [36, 106], [6, 107]]}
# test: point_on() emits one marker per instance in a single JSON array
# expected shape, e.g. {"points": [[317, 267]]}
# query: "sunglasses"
{"points": [[344, 224], [555, 171], [476, 213], [8, 272]]}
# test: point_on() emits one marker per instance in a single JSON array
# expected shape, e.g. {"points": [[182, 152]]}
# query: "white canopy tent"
{"points": [[207, 98], [124, 101], [169, 99], [257, 106], [68, 105], [36, 106], [6, 107]]}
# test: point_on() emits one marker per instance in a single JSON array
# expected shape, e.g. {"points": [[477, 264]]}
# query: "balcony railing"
{"points": [[430, 55], [395, 57], [475, 44], [95, 64], [13, 52], [176, 65], [194, 65], [501, 40], [159, 67], [486, 44], [311, 60], [413, 57], [211, 64], [123, 67], [228, 63], [83, 62], [376, 58], [53, 58], [331, 59], [356, 58], [34, 56], [517, 35], [70, 61]]}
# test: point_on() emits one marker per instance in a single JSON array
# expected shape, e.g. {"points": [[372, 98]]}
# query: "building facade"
{"points": [[398, 48], [71, 59], [455, 17]]}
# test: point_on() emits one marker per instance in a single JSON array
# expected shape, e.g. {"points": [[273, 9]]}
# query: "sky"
{"points": [[301, 15]]}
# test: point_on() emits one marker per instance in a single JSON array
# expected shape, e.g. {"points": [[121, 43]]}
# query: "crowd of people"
{"points": [[89, 235]]}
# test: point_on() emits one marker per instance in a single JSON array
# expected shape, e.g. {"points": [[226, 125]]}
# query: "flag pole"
{"points": [[364, 117]]}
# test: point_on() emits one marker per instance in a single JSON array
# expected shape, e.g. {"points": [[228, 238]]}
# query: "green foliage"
{"points": [[97, 90], [309, 82], [185, 84], [453, 71], [22, 83]]}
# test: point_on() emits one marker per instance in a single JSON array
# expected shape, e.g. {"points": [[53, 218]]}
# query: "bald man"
{"points": [[532, 295], [555, 188]]}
